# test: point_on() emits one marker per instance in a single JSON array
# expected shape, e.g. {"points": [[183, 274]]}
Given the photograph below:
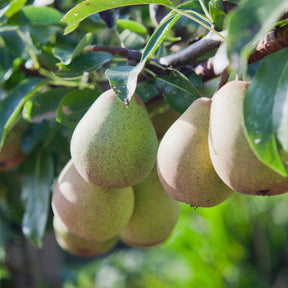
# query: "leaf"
{"points": [[67, 54], [177, 89], [132, 26], [11, 47], [12, 8], [265, 110], [74, 105], [247, 24], [11, 105], [37, 179], [87, 62], [43, 106], [153, 44], [89, 7], [217, 13], [118, 77], [31, 15]]}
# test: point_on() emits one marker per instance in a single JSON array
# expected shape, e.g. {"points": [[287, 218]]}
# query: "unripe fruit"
{"points": [[113, 145], [231, 154], [79, 246], [88, 211], [184, 166]]}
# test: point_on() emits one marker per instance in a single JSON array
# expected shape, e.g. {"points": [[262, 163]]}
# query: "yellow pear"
{"points": [[79, 246], [113, 145], [184, 166], [88, 211], [155, 214], [231, 154]]}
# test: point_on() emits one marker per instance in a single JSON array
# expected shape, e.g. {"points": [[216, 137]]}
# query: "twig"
{"points": [[272, 42], [124, 52]]}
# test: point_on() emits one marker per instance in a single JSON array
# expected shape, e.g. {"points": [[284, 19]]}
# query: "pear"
{"points": [[155, 214], [231, 154], [113, 145], [184, 166], [79, 246], [88, 211], [11, 154], [162, 116]]}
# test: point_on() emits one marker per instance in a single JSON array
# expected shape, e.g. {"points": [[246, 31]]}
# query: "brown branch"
{"points": [[124, 52], [272, 42]]}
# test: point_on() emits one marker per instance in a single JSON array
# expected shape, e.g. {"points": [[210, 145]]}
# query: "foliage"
{"points": [[50, 75]]}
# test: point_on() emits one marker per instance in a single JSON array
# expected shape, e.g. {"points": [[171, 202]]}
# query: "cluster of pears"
{"points": [[109, 191], [205, 155]]}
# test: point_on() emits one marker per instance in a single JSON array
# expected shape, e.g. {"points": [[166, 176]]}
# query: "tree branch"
{"points": [[272, 42]]}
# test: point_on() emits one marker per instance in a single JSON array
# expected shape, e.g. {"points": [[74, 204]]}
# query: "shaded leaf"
{"points": [[177, 89], [265, 110], [217, 13], [247, 24], [67, 54], [43, 106], [11, 105], [153, 44], [37, 180], [89, 7], [74, 105], [87, 62], [31, 15]]}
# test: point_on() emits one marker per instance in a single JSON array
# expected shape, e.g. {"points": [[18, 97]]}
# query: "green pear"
{"points": [[113, 145], [79, 246], [155, 214], [184, 166], [231, 154], [91, 212]]}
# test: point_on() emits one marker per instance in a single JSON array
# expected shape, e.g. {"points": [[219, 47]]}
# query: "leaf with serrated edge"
{"points": [[264, 110], [89, 7]]}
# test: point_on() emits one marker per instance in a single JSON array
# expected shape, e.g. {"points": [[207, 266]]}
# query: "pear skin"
{"points": [[155, 214], [231, 154], [79, 246], [88, 211], [112, 145], [11, 154], [184, 166]]}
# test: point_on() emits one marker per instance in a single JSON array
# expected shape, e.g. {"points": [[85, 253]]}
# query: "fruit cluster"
{"points": [[111, 189]]}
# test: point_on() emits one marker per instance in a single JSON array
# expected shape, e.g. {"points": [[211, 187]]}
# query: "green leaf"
{"points": [[132, 26], [153, 44], [11, 47], [74, 105], [31, 15], [217, 13], [247, 24], [118, 77], [43, 106], [11, 105], [67, 54], [177, 89], [87, 62], [12, 8], [89, 7], [265, 110], [37, 179]]}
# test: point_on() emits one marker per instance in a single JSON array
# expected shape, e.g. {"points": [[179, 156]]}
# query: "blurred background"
{"points": [[240, 243]]}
